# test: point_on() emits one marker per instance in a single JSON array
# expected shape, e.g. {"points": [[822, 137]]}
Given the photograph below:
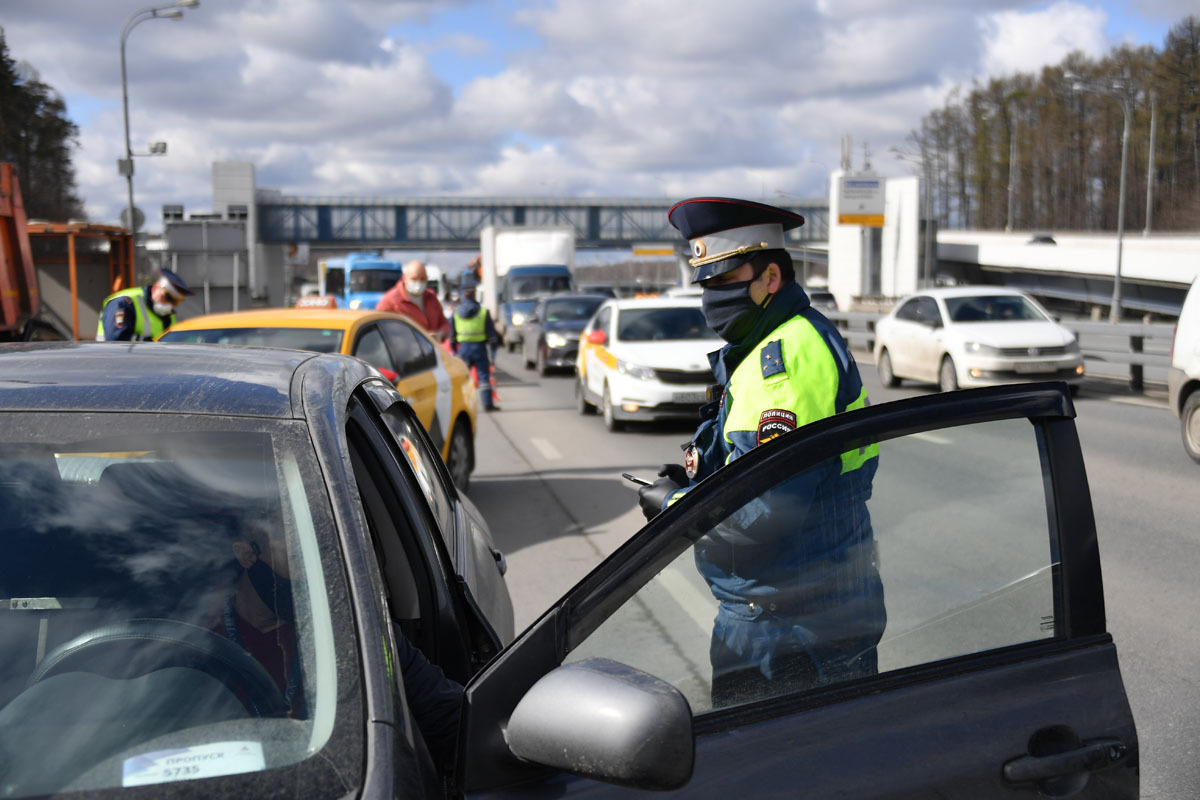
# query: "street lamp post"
{"points": [[1123, 91], [125, 165]]}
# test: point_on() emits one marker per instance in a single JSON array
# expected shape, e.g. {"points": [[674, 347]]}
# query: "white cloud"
{"points": [[1027, 41]]}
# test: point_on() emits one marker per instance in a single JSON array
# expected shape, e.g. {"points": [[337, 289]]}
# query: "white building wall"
{"points": [[845, 251], [900, 263]]}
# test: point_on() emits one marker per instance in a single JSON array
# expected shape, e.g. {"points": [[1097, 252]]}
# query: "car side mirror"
{"points": [[604, 720], [597, 337]]}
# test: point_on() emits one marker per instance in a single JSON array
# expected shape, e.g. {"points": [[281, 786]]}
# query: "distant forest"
{"points": [[1058, 135], [37, 136]]}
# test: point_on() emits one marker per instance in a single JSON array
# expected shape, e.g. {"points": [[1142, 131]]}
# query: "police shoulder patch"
{"points": [[773, 422], [772, 359], [119, 318]]}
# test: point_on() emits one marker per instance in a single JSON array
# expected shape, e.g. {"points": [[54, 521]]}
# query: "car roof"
{"points": [[968, 291], [574, 296], [343, 318], [152, 377], [654, 302]]}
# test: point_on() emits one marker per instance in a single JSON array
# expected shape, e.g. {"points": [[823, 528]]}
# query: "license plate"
{"points": [[689, 397], [1034, 368]]}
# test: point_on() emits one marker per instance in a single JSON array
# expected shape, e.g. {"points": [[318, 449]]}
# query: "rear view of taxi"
{"points": [[436, 384], [644, 360]]}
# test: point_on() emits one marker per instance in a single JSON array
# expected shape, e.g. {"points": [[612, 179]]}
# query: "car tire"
{"points": [[611, 423], [1189, 425], [543, 367], [581, 402], [460, 456], [947, 375], [886, 375], [528, 361], [510, 346]]}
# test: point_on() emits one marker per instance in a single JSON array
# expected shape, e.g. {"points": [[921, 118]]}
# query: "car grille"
{"points": [[1023, 352], [685, 376]]}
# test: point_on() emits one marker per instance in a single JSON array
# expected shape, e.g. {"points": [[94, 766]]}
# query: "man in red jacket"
{"points": [[411, 297]]}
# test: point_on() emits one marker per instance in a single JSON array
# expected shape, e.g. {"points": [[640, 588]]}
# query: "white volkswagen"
{"points": [[974, 336], [645, 359]]}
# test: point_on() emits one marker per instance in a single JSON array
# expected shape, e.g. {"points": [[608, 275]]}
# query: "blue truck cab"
{"points": [[359, 280], [520, 289]]}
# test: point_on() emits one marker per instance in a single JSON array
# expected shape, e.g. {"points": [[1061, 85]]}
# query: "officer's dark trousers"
{"points": [[476, 355]]}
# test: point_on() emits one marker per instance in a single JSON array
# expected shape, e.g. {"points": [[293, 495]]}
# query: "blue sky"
{"points": [[514, 97]]}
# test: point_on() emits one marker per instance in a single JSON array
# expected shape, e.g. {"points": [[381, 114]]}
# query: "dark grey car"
{"points": [[550, 339], [141, 484]]}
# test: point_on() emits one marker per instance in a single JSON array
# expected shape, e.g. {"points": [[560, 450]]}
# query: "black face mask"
{"points": [[728, 309]]}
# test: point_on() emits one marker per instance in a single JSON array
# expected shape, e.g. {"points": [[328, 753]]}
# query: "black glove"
{"points": [[651, 498]]}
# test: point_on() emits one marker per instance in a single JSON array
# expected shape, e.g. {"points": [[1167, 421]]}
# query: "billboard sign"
{"points": [[860, 201]]}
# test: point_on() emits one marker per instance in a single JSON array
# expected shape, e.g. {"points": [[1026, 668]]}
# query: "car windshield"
{"points": [[662, 324], [373, 280], [568, 310], [319, 340], [526, 286], [992, 308], [170, 605]]}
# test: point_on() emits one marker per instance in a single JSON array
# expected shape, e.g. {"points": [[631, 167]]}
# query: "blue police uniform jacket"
{"points": [[795, 569]]}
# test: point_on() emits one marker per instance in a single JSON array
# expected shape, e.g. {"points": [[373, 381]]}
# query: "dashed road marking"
{"points": [[695, 603], [548, 451]]}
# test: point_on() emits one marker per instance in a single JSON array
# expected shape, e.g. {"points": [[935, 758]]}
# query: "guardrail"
{"points": [[1142, 347]]}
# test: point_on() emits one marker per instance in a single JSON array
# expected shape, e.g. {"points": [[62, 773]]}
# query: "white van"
{"points": [[1183, 377]]}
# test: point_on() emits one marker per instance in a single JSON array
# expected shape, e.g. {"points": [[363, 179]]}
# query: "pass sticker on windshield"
{"points": [[190, 763]]}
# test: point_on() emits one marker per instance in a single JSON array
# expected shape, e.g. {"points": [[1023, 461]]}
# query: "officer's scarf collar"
{"points": [[789, 301]]}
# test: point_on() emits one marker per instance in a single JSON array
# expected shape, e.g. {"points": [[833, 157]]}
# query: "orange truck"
{"points": [[55, 275]]}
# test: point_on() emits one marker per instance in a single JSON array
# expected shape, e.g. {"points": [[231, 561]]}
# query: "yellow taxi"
{"points": [[437, 384]]}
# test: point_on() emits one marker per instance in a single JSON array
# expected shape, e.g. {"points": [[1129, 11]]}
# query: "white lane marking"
{"points": [[699, 606], [548, 451], [932, 438], [1139, 401]]}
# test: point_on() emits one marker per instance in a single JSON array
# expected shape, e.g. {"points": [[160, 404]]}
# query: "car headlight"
{"points": [[518, 318], [635, 371], [556, 340], [981, 349], [356, 303]]}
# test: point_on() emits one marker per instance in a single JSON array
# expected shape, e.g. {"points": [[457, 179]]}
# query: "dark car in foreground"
{"points": [[550, 339], [205, 579]]}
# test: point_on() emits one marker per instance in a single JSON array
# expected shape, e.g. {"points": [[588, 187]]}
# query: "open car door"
{"points": [[996, 675]]}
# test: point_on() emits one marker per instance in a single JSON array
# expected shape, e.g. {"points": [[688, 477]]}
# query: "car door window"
{"points": [[370, 347], [927, 311], [945, 552], [411, 351], [908, 311]]}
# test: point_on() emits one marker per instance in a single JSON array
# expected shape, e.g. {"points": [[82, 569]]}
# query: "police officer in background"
{"points": [[471, 332], [801, 603], [142, 313]]}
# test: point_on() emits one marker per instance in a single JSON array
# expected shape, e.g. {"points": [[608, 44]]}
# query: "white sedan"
{"points": [[645, 359], [974, 336]]}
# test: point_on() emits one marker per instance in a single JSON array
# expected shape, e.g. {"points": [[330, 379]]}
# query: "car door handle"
{"points": [[501, 564], [1091, 756]]}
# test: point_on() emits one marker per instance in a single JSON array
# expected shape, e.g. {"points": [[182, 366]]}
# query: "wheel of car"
{"points": [[947, 376], [1189, 421], [525, 358], [510, 346], [543, 367], [461, 456], [137, 646], [581, 401], [610, 418], [885, 370]]}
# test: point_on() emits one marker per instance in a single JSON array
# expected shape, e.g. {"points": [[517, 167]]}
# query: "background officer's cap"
{"points": [[176, 286], [725, 233]]}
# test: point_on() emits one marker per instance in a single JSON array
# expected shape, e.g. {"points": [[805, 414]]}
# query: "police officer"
{"points": [[142, 313], [470, 335], [801, 603]]}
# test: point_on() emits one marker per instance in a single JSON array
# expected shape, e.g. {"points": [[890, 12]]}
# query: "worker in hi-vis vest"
{"points": [[800, 599], [142, 313]]}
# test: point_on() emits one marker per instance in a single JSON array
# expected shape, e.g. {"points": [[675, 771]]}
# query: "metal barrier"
{"points": [[1142, 347]]}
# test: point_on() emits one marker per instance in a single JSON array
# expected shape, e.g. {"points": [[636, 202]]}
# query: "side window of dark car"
{"points": [[370, 348], [412, 352], [908, 311], [848, 568]]}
